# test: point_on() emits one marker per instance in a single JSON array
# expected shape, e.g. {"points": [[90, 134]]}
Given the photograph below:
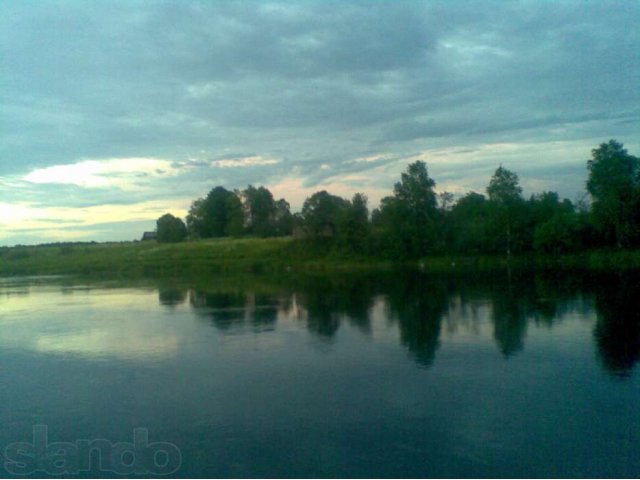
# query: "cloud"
{"points": [[244, 162], [123, 173], [198, 94]]}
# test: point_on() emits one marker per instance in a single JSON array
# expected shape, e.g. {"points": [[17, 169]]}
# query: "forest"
{"points": [[415, 221]]}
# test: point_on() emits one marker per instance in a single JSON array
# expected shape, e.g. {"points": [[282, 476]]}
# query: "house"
{"points": [[149, 236]]}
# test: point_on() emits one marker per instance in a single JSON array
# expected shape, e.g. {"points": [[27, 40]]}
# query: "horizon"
{"points": [[116, 113]]}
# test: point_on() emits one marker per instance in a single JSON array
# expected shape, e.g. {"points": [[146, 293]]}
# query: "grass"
{"points": [[130, 259], [143, 258], [254, 255]]}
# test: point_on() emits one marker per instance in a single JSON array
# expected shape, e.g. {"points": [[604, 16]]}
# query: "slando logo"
{"points": [[67, 458]]}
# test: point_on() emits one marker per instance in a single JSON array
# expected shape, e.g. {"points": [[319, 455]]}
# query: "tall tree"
{"points": [[234, 215], [415, 192], [196, 219], [407, 222], [260, 211], [505, 197], [504, 187], [353, 224], [613, 186], [283, 218]]}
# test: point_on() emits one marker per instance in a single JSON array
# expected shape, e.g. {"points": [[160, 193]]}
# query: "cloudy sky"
{"points": [[115, 112]]}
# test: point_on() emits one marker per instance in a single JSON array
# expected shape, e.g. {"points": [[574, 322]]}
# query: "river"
{"points": [[396, 374]]}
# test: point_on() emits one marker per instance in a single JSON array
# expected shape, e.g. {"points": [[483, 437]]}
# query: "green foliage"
{"points": [[469, 224], [353, 225], [507, 212], [614, 187], [196, 219], [170, 229], [406, 224], [234, 217], [260, 211], [415, 193], [504, 187], [320, 213], [283, 218], [217, 215], [557, 235]]}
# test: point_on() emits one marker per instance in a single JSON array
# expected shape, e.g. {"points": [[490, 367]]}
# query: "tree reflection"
{"points": [[323, 318], [264, 311], [358, 299], [418, 306], [509, 319], [617, 330], [418, 303], [223, 309], [171, 297], [516, 300], [329, 300]]}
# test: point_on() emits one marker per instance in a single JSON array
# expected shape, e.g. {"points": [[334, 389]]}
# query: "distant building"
{"points": [[149, 236]]}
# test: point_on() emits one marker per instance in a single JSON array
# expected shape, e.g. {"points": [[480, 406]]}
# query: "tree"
{"points": [[234, 215], [505, 197], [559, 234], [259, 210], [407, 222], [320, 213], [283, 218], [469, 222], [353, 225], [613, 186], [196, 219], [504, 187], [445, 199], [217, 215], [556, 228], [170, 229], [415, 192]]}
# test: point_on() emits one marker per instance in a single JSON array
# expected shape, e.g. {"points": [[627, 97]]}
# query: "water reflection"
{"points": [[617, 330], [422, 310], [419, 305], [509, 315], [171, 297], [222, 309], [229, 311], [327, 302], [91, 323], [392, 375]]}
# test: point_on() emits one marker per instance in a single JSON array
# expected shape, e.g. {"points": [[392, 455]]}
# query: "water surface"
{"points": [[381, 375]]}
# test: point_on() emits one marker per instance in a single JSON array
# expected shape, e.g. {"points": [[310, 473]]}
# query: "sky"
{"points": [[113, 113]]}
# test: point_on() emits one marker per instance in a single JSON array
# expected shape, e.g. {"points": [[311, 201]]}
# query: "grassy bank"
{"points": [[131, 259]]}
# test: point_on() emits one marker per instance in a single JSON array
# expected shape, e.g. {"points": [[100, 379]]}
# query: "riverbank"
{"points": [[256, 255]]}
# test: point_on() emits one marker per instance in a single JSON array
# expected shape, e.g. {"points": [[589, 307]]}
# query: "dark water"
{"points": [[381, 375]]}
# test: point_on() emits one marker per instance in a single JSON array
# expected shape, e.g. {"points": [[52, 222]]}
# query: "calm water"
{"points": [[381, 375]]}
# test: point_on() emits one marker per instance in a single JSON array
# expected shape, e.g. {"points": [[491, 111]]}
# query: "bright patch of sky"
{"points": [[113, 113]]}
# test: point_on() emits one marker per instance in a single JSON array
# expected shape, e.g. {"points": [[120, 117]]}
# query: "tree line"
{"points": [[415, 220]]}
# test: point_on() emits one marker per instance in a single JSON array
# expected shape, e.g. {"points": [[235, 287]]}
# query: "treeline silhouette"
{"points": [[416, 221], [423, 306]]}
